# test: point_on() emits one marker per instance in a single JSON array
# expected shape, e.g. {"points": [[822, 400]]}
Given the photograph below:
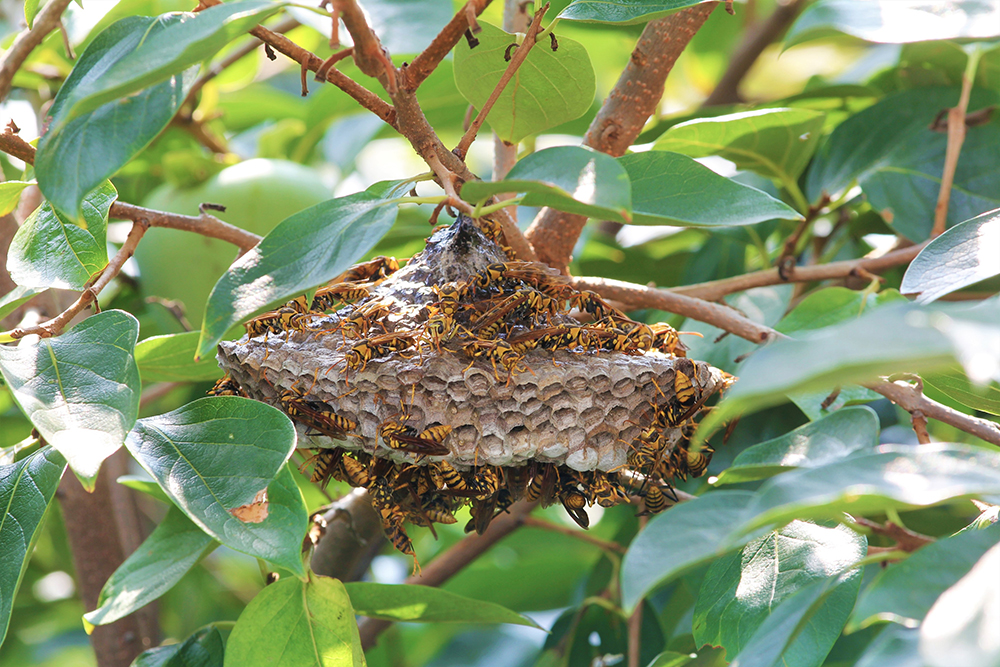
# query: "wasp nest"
{"points": [[462, 377]]}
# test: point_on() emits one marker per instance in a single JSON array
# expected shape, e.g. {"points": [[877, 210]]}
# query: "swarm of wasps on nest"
{"points": [[463, 379]]}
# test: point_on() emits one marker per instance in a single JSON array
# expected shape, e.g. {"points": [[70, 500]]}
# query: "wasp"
{"points": [[654, 501], [428, 442], [226, 386], [488, 325], [375, 270], [553, 338], [590, 302], [316, 415], [327, 298], [666, 339], [326, 465], [604, 490], [499, 352], [445, 475], [449, 297], [483, 483], [542, 485], [361, 353], [355, 472], [574, 502], [275, 321], [360, 321], [392, 517], [440, 328], [436, 509]]}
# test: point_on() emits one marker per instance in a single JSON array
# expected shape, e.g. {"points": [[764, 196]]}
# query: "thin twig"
{"points": [[640, 296], [956, 137], [45, 22], [369, 54], [757, 38], [452, 561], [535, 522], [906, 540], [716, 289], [425, 63], [520, 55], [635, 621], [789, 254], [909, 397], [620, 119], [515, 19]]}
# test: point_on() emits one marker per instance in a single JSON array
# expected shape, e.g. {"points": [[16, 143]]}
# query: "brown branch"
{"points": [[520, 55], [45, 22], [452, 561], [234, 57], [640, 296], [12, 144], [515, 237], [515, 19], [605, 545], [956, 137], [369, 54], [906, 540], [789, 254], [757, 38], [716, 289], [620, 119], [441, 46], [909, 397]]}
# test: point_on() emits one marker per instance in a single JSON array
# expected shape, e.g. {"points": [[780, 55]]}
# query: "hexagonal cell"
{"points": [[537, 418]]}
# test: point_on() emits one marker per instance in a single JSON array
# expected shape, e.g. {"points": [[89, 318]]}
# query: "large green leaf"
{"points": [[80, 389], [894, 477], [673, 189], [10, 194], [168, 47], [50, 250], [77, 156], [623, 11], [897, 21], [676, 541], [26, 488], [14, 298], [961, 627], [741, 590], [170, 358], [568, 178], [303, 251], [954, 383], [204, 648], [859, 350], [168, 553], [776, 143], [548, 89], [817, 443], [889, 150], [425, 604], [801, 631], [896, 646], [905, 591], [963, 255], [213, 457], [295, 623]]}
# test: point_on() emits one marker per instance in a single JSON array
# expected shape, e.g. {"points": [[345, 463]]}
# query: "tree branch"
{"points": [[605, 545], [353, 536], [515, 19], [620, 119], [515, 62], [956, 137], [909, 397], [425, 63], [640, 296], [906, 540], [716, 289], [369, 54], [757, 38], [45, 22], [448, 564]]}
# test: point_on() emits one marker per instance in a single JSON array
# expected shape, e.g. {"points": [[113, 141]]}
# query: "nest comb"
{"points": [[579, 409]]}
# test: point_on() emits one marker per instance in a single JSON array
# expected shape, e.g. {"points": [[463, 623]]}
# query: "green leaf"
{"points": [[963, 255], [204, 648], [548, 89], [77, 156], [801, 631], [817, 443], [26, 489], [622, 11], [568, 178], [904, 592], [814, 404], [670, 659], [30, 11], [776, 143], [10, 194], [889, 150], [673, 189], [170, 359], [831, 305], [80, 389], [303, 251], [293, 623], [171, 45], [168, 553], [14, 298], [741, 590], [50, 250], [425, 604], [894, 477], [955, 384], [896, 646], [897, 21], [676, 541], [215, 455], [143, 484], [961, 627], [858, 350]]}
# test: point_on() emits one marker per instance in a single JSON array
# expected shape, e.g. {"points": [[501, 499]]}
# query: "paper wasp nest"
{"points": [[581, 409]]}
